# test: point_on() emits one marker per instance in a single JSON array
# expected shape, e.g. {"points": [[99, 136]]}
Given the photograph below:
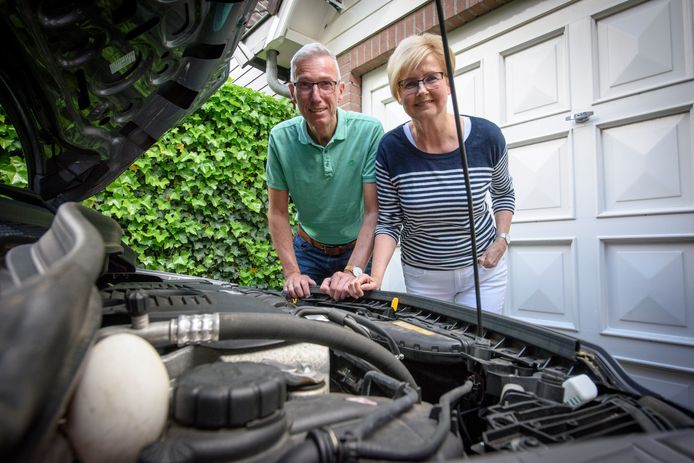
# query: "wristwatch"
{"points": [[354, 270], [505, 236]]}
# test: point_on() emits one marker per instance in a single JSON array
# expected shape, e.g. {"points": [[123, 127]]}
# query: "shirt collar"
{"points": [[340, 130]]}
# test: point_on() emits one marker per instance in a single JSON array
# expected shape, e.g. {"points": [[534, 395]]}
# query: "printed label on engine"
{"points": [[122, 62], [410, 326]]}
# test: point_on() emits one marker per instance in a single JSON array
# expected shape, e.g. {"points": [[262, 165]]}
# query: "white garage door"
{"points": [[603, 236]]}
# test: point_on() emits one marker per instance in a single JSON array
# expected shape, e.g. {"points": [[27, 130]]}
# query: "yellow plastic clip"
{"points": [[294, 300], [394, 304]]}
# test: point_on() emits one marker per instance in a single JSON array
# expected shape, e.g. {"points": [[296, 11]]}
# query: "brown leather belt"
{"points": [[329, 249]]}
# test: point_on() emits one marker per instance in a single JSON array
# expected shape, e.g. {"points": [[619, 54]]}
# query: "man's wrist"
{"points": [[288, 273], [354, 270]]}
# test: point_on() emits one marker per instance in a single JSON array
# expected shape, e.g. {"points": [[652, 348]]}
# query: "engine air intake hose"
{"points": [[290, 328], [343, 317]]}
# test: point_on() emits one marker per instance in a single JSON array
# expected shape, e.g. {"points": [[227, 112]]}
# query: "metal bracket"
{"points": [[580, 117]]}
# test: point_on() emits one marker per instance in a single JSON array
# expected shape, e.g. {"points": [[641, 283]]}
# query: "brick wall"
{"points": [[374, 51]]}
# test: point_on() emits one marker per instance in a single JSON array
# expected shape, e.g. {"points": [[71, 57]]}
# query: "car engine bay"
{"points": [[168, 368]]}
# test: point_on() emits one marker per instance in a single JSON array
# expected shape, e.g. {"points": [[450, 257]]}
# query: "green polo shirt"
{"points": [[325, 182]]}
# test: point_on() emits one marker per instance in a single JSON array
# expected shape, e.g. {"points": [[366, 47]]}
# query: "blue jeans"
{"points": [[316, 264]]}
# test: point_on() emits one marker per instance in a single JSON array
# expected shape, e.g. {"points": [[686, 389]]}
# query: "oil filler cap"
{"points": [[223, 394]]}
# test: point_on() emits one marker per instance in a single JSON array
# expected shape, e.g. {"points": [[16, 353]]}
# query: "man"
{"points": [[324, 160]]}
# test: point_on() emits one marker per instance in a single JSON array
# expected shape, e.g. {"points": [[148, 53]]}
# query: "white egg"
{"points": [[121, 402]]}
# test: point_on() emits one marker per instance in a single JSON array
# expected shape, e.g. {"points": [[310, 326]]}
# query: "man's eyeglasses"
{"points": [[430, 81], [324, 86]]}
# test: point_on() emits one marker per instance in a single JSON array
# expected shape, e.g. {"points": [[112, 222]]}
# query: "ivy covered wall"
{"points": [[196, 202]]}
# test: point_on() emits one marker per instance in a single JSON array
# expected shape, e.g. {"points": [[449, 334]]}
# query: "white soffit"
{"points": [[362, 18], [298, 22]]}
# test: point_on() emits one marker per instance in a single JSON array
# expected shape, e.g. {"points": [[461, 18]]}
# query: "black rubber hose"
{"points": [[357, 328], [338, 315], [377, 452], [389, 384], [322, 446], [386, 412], [291, 328], [214, 447], [377, 329]]}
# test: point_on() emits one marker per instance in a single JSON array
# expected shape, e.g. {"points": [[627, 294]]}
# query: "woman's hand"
{"points": [[491, 256], [336, 285], [362, 283]]}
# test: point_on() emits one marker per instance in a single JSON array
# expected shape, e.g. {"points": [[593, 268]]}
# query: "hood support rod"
{"points": [[466, 172]]}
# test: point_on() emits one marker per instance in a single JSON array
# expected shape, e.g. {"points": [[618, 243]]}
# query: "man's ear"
{"points": [[340, 91], [291, 92]]}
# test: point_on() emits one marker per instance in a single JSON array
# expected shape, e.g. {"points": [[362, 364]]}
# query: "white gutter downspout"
{"points": [[271, 74]]}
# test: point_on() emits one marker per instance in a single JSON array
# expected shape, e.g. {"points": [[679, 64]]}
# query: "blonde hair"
{"points": [[410, 53]]}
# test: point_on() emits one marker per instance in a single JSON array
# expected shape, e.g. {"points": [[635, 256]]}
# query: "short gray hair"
{"points": [[309, 51]]}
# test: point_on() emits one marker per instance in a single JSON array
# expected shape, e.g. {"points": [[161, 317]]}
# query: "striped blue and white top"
{"points": [[422, 200]]}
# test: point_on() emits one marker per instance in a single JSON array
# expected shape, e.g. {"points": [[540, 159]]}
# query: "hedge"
{"points": [[13, 170], [196, 202]]}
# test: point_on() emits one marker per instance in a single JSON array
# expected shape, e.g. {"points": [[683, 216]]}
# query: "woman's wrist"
{"points": [[376, 280]]}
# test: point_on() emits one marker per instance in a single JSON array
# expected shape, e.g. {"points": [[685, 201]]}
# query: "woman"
{"points": [[421, 189]]}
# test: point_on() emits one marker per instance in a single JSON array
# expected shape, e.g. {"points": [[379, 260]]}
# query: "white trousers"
{"points": [[458, 286]]}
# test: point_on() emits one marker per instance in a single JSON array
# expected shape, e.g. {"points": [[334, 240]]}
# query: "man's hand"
{"points": [[297, 285], [336, 285], [362, 283]]}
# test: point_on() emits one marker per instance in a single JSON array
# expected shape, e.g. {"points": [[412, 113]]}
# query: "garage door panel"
{"points": [[646, 290], [646, 166], [535, 76], [543, 179], [542, 282], [469, 88], [642, 46], [385, 108]]}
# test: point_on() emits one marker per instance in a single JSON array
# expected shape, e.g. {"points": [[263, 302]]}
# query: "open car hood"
{"points": [[90, 86]]}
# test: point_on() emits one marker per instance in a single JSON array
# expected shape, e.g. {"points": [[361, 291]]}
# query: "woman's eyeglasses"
{"points": [[430, 81], [324, 86]]}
